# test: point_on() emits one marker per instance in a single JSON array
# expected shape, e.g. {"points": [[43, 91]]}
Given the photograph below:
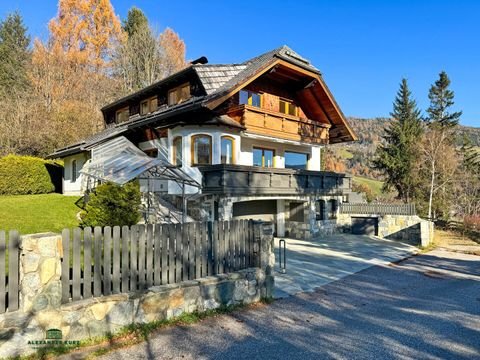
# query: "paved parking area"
{"points": [[311, 264]]}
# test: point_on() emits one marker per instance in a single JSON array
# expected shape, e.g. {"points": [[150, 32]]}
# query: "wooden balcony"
{"points": [[270, 123], [253, 180]]}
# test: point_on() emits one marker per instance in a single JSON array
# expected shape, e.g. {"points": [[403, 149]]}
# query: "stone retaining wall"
{"points": [[41, 292]]}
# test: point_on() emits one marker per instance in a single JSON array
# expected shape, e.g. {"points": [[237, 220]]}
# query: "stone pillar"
{"points": [[266, 249], [426, 233], [225, 209], [40, 270], [280, 217]]}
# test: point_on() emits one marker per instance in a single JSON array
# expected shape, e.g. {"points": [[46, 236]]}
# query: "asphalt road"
{"points": [[427, 307]]}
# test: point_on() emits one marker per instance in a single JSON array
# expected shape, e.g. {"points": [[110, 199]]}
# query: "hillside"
{"points": [[356, 156]]}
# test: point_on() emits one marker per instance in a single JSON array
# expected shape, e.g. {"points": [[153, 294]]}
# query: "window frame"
{"points": [[178, 90], [249, 98], [295, 152], [288, 103], [73, 174], [192, 148], [125, 109], [232, 139], [263, 156], [174, 151]]}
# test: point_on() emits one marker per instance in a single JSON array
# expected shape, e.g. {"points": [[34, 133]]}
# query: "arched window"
{"points": [[177, 151], [201, 149], [74, 171], [228, 150]]}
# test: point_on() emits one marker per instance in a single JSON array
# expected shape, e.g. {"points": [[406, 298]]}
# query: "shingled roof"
{"points": [[216, 79]]}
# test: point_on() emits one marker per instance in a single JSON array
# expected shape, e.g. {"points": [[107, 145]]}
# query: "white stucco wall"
{"points": [[71, 187]]}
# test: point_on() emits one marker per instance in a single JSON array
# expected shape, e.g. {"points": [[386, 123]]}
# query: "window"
{"points": [[294, 160], [287, 107], [250, 98], [148, 106], [321, 210], [177, 151], [333, 209], [201, 150], [179, 94], [122, 115], [74, 170], [144, 107], [263, 157], [227, 152]]}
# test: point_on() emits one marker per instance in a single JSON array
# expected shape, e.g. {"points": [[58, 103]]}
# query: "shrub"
{"points": [[22, 175], [112, 204]]}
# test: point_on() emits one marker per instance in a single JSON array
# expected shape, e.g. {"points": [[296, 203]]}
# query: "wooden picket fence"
{"points": [[128, 259], [377, 209], [9, 270]]}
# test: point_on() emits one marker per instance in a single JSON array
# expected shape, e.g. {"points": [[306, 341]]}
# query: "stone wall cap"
{"points": [[189, 283], [41, 235], [162, 288], [78, 304]]}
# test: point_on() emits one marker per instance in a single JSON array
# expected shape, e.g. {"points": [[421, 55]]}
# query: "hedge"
{"points": [[21, 175]]}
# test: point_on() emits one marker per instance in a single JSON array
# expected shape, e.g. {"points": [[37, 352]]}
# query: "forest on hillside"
{"points": [[355, 158]]}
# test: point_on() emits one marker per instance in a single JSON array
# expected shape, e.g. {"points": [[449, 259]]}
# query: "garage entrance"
{"points": [[365, 225]]}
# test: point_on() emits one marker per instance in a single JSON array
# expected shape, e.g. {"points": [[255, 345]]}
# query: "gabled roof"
{"points": [[218, 82]]}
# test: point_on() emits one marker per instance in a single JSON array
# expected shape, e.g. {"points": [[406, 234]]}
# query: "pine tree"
{"points": [[440, 137], [14, 53], [396, 158], [441, 100], [135, 21]]}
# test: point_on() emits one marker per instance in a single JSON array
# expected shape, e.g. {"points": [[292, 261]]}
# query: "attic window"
{"points": [[179, 94], [288, 107], [148, 105], [248, 97], [122, 115]]}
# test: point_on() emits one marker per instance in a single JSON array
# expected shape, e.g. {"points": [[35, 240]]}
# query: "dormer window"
{"points": [[248, 97], [148, 106], [179, 94], [122, 115], [287, 107]]}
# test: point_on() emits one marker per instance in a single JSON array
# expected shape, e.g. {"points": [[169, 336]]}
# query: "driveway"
{"points": [[311, 264], [426, 307]]}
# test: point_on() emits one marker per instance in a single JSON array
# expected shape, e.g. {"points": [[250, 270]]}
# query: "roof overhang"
{"points": [[316, 92]]}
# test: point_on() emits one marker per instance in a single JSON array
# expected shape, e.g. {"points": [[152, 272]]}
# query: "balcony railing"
{"points": [[270, 123], [253, 180]]}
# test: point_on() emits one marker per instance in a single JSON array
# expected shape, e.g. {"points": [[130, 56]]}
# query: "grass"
{"points": [[345, 154], [31, 214], [374, 185], [133, 334]]}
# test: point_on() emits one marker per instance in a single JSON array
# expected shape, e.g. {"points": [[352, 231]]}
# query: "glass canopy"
{"points": [[120, 161]]}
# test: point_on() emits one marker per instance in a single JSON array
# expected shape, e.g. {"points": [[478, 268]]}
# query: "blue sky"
{"points": [[363, 48]]}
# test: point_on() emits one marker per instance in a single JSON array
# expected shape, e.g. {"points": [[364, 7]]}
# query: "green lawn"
{"points": [[374, 185], [38, 213]]}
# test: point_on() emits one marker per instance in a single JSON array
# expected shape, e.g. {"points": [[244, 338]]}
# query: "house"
{"points": [[251, 133]]}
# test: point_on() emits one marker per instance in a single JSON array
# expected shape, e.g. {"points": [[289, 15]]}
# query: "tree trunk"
{"points": [[430, 200]]}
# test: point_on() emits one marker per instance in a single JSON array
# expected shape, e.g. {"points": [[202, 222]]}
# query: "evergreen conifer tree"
{"points": [[395, 159], [14, 53]]}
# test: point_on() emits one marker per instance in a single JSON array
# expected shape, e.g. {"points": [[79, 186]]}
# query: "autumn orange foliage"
{"points": [[87, 31]]}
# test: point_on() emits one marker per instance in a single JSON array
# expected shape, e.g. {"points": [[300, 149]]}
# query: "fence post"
{"points": [[40, 271], [265, 245]]}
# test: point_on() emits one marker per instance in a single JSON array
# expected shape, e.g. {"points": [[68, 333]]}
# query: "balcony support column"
{"points": [[280, 217]]}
